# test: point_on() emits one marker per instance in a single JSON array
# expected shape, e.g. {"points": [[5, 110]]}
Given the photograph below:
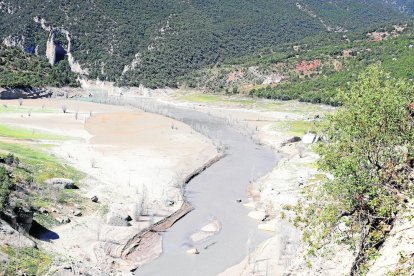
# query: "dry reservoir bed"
{"points": [[135, 164]]}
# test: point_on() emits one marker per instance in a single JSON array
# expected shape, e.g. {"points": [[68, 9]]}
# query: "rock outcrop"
{"points": [[16, 41], [23, 93], [13, 238], [18, 218], [62, 183], [118, 216], [53, 47], [309, 138]]}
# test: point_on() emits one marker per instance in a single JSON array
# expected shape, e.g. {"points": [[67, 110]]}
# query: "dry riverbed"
{"points": [[270, 197], [135, 164]]}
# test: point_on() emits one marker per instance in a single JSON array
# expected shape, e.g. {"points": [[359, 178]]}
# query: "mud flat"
{"points": [[274, 124], [127, 155], [215, 194]]}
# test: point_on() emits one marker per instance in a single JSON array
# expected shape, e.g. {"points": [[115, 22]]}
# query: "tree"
{"points": [[370, 154]]}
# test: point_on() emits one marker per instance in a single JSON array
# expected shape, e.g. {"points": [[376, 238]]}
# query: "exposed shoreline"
{"points": [[150, 237], [219, 131], [88, 237], [252, 123]]}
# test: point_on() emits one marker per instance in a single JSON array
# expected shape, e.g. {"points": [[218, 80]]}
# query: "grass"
{"points": [[292, 106], [24, 109], [27, 134], [295, 128], [31, 261], [40, 166], [43, 165], [217, 99]]}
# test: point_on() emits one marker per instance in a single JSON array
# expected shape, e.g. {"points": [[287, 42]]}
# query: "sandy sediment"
{"points": [[137, 164], [270, 194]]}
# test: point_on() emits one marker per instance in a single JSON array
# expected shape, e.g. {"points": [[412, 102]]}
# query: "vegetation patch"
{"points": [[217, 99], [295, 128], [28, 261], [6, 183], [20, 69], [370, 154], [43, 165], [30, 168], [5, 108], [27, 134]]}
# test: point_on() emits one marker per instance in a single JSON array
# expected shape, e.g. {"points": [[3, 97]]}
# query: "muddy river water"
{"points": [[214, 194]]}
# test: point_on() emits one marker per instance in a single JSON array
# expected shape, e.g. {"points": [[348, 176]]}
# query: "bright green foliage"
{"points": [[24, 133], [369, 153], [5, 184], [31, 261], [43, 165]]}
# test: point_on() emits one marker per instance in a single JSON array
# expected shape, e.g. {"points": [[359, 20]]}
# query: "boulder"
{"points": [[257, 215], [94, 199], [118, 215], [207, 231], [116, 220], [43, 210], [77, 213], [309, 138], [19, 218], [193, 251], [268, 226], [411, 175], [4, 259], [11, 237], [63, 220], [214, 226], [62, 183], [294, 139]]}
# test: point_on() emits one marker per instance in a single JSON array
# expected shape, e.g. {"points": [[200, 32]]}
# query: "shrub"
{"points": [[370, 151], [5, 187]]}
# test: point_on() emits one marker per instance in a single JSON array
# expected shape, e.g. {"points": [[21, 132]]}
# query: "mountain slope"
{"points": [[155, 43], [404, 6]]}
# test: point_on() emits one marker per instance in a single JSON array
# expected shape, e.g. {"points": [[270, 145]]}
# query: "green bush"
{"points": [[25, 261], [369, 153], [5, 185]]}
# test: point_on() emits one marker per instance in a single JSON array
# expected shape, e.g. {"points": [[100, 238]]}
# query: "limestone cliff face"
{"points": [[135, 62], [14, 41], [74, 65], [52, 49]]}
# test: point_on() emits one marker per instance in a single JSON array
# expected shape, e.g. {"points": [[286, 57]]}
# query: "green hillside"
{"points": [[169, 39], [19, 69]]}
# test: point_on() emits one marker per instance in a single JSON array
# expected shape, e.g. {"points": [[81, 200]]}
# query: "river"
{"points": [[213, 194]]}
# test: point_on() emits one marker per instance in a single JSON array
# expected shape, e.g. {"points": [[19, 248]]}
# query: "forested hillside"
{"points": [[19, 69], [405, 6], [313, 70], [159, 42]]}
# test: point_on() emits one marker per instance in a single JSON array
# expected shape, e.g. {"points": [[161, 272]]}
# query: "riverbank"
{"points": [[131, 166], [114, 159], [272, 196]]}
